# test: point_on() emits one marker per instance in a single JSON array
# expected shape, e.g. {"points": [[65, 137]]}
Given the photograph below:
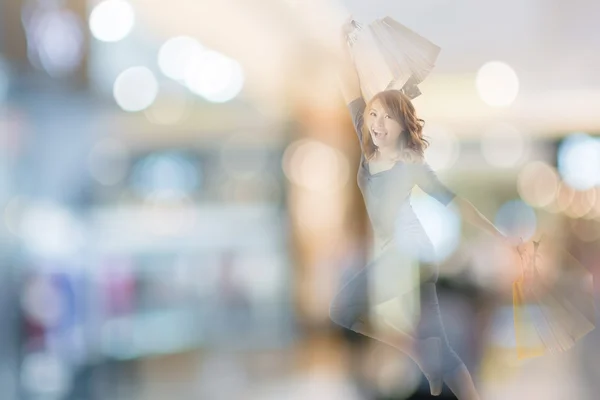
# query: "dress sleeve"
{"points": [[357, 109], [428, 181]]}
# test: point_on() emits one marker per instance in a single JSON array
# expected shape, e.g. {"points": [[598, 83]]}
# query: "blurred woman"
{"points": [[391, 164]]}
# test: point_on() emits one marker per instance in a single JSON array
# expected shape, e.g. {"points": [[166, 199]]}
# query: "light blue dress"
{"points": [[396, 228]]}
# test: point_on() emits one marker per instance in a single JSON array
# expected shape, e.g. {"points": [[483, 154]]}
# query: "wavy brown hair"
{"points": [[400, 108]]}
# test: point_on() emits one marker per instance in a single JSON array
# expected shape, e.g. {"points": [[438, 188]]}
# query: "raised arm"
{"points": [[349, 82], [347, 77], [430, 183], [428, 180]]}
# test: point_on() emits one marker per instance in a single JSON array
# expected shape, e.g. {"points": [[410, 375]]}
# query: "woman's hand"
{"points": [[514, 244], [347, 28], [345, 32], [348, 77]]}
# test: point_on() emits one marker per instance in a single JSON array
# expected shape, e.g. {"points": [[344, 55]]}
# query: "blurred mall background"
{"points": [[179, 200]]}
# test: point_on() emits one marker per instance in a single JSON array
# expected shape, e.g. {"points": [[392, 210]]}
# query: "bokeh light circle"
{"points": [[497, 84], [503, 146], [135, 89], [112, 20], [578, 161], [175, 55], [215, 77], [516, 219], [538, 184]]}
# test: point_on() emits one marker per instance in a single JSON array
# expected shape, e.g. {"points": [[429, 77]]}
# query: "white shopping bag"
{"points": [[388, 55], [551, 314]]}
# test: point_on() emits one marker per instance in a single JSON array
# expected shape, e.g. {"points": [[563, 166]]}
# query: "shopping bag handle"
{"points": [[529, 270]]}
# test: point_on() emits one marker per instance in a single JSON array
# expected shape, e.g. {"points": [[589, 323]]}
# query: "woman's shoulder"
{"points": [[413, 157], [357, 107], [358, 102]]}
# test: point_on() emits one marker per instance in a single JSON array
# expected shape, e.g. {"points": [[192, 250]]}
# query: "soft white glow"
{"points": [[497, 84], [175, 55], [538, 184], [55, 41], [441, 225], [50, 230], [565, 195], [112, 20], [13, 213], [266, 280], [108, 161], [315, 166], [168, 213], [45, 375], [318, 212], [135, 89], [503, 146], [214, 76], [444, 148], [582, 203], [579, 161], [516, 219]]}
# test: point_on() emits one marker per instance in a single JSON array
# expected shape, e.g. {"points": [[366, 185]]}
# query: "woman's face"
{"points": [[385, 132]]}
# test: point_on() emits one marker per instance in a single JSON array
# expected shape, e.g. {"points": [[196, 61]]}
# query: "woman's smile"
{"points": [[378, 133]]}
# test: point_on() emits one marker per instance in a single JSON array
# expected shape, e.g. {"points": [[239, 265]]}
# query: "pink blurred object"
{"points": [[553, 301]]}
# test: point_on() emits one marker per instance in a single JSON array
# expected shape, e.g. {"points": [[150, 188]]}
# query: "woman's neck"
{"points": [[387, 153]]}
